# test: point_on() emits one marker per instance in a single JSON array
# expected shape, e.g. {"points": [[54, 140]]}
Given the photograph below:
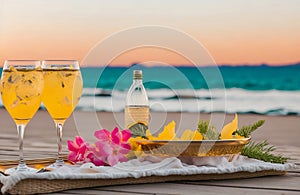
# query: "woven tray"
{"points": [[34, 186]]}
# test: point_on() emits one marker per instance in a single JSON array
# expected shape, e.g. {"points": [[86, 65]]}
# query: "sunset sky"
{"points": [[233, 31]]}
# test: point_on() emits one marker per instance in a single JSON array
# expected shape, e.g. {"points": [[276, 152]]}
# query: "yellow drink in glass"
{"points": [[22, 93], [21, 90], [62, 91]]}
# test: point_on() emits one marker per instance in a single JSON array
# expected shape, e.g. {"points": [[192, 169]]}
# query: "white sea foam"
{"points": [[271, 102]]}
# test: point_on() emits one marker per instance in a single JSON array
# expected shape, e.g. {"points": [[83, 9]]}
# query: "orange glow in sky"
{"points": [[234, 32]]}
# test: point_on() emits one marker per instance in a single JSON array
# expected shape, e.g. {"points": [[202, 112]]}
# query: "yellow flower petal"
{"points": [[228, 129], [168, 133], [150, 136], [136, 149], [148, 133], [187, 135], [198, 136], [133, 144], [191, 135]]}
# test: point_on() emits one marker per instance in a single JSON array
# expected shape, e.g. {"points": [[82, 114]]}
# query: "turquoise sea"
{"points": [[284, 78], [270, 90]]}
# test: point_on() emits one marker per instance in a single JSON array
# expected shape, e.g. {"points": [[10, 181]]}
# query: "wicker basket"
{"points": [[34, 186]]}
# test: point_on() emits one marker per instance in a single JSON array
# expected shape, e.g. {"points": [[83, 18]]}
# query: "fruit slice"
{"points": [[198, 136], [228, 129], [168, 133], [138, 129], [191, 135], [150, 136]]}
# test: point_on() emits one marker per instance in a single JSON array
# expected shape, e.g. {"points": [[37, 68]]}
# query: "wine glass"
{"points": [[62, 91], [22, 86]]}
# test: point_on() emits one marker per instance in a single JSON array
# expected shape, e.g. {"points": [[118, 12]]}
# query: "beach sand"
{"points": [[278, 130]]}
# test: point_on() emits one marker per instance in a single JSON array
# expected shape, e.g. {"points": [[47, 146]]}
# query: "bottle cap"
{"points": [[137, 74]]}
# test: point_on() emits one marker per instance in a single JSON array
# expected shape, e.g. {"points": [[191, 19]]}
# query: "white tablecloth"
{"points": [[149, 166]]}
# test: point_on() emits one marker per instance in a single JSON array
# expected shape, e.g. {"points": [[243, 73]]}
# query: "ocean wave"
{"points": [[153, 94], [235, 100]]}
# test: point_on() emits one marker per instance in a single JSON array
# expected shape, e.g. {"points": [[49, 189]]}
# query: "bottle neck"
{"points": [[137, 81], [137, 94]]}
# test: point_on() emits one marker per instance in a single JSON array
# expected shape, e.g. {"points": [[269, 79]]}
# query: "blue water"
{"points": [[285, 78], [244, 89]]}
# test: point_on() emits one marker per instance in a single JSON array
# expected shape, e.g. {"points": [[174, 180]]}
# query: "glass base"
{"points": [[22, 168], [58, 163]]}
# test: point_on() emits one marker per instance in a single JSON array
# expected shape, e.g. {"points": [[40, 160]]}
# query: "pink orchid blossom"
{"points": [[115, 136], [77, 150], [110, 148], [96, 156], [114, 145], [103, 135], [114, 153], [119, 137]]}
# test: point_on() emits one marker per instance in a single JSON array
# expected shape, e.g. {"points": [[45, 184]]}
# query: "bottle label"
{"points": [[137, 119]]}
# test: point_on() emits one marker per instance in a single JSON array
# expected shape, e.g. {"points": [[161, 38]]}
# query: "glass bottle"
{"points": [[137, 106]]}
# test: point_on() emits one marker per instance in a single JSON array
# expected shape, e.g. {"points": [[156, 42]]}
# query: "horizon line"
{"points": [[188, 65], [191, 65]]}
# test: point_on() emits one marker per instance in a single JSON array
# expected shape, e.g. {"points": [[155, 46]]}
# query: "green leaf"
{"points": [[246, 131], [203, 126], [262, 151], [208, 132], [138, 130]]}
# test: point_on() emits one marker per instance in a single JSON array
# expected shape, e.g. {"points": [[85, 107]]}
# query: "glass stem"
{"points": [[21, 129], [59, 128]]}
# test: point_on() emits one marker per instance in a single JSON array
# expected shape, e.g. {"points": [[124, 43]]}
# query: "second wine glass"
{"points": [[62, 91]]}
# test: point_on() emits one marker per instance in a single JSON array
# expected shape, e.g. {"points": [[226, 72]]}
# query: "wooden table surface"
{"points": [[43, 144]]}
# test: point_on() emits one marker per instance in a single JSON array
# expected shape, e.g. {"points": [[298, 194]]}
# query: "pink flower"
{"points": [[120, 137], [114, 146], [96, 156], [103, 135], [77, 150], [114, 153], [110, 148], [115, 136]]}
